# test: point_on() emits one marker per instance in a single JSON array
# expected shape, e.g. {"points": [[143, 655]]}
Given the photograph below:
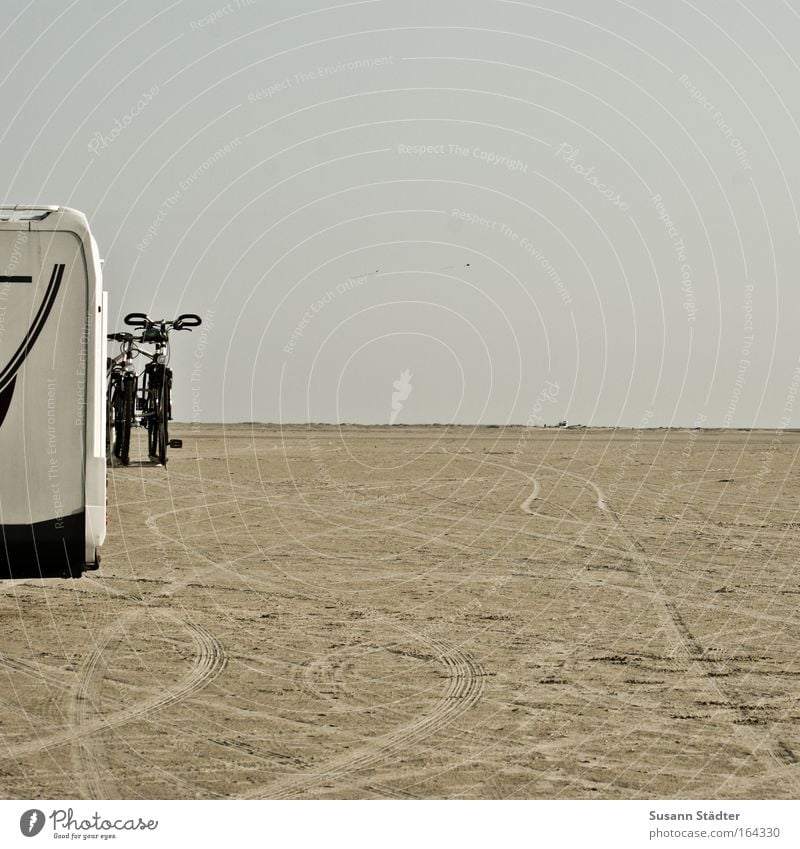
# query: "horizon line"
{"points": [[401, 426]]}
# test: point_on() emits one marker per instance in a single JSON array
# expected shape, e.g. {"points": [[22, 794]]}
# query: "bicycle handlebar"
{"points": [[187, 321], [137, 319], [183, 322]]}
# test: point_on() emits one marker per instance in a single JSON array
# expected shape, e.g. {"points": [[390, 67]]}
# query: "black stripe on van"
{"points": [[9, 372], [5, 399]]}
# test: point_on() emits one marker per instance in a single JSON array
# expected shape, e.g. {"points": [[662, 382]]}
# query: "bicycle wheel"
{"points": [[110, 418], [150, 414], [157, 415], [162, 415], [115, 436], [125, 419], [146, 406], [166, 397]]}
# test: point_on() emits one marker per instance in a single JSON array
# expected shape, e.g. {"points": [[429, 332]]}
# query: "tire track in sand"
{"points": [[210, 661], [464, 689], [779, 753], [526, 504]]}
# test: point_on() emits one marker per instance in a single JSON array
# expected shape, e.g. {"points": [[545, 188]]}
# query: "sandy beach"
{"points": [[420, 612]]}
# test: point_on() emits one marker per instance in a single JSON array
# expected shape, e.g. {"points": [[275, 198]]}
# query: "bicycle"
{"points": [[120, 398], [153, 398]]}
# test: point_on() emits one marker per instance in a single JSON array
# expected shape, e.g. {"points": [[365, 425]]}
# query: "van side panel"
{"points": [[95, 494], [44, 336]]}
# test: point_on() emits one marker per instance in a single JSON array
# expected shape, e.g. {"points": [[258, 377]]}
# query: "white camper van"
{"points": [[52, 407]]}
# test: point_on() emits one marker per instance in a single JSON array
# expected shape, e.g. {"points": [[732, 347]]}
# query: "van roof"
{"points": [[20, 212], [45, 218]]}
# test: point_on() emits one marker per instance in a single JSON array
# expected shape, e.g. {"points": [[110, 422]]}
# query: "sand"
{"points": [[420, 613]]}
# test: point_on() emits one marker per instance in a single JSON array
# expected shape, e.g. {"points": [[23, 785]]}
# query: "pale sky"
{"points": [[582, 210]]}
